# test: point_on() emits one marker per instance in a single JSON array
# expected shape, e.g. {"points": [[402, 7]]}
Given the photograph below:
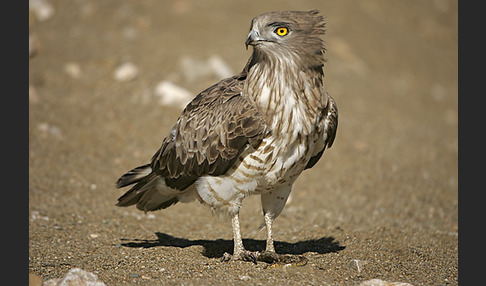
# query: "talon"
{"points": [[242, 256], [226, 257], [252, 258]]}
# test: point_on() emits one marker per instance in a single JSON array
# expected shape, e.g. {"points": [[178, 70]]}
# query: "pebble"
{"points": [[35, 216], [244, 277], [170, 94], [146, 277], [125, 72], [357, 264], [379, 282], [75, 276], [47, 129], [151, 216], [133, 275], [43, 10], [194, 69], [219, 67], [73, 70]]}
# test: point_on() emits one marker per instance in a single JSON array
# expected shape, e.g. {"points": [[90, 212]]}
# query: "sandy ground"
{"points": [[384, 196]]}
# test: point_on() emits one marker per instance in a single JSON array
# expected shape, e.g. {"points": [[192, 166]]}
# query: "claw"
{"points": [[243, 256], [226, 257], [252, 257]]}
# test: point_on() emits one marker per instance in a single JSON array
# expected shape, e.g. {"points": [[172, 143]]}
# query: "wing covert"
{"points": [[210, 134]]}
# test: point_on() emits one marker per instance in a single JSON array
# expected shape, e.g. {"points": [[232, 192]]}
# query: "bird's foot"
{"points": [[276, 259], [244, 255]]}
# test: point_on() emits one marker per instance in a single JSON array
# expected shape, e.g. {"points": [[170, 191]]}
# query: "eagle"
{"points": [[249, 134]]}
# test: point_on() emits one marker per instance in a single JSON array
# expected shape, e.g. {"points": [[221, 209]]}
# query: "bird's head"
{"points": [[297, 31]]}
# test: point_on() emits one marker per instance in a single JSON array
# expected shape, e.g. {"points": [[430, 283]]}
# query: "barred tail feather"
{"points": [[150, 192], [134, 176]]}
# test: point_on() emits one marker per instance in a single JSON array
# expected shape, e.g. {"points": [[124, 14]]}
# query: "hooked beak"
{"points": [[252, 39]]}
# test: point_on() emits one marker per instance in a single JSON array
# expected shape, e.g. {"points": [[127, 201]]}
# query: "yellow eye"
{"points": [[282, 31]]}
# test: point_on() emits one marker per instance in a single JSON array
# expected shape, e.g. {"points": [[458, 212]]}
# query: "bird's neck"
{"points": [[287, 93]]}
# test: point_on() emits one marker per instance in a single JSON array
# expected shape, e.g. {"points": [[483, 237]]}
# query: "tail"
{"points": [[133, 176], [150, 193]]}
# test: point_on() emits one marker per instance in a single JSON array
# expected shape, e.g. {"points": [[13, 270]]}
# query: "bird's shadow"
{"points": [[216, 248]]}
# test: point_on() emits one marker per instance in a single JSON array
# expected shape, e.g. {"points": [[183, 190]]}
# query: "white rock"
{"points": [[379, 282], [172, 95], [73, 70], [357, 264], [35, 216], [43, 10], [244, 277], [219, 67], [194, 69], [76, 277], [125, 72], [48, 129]]}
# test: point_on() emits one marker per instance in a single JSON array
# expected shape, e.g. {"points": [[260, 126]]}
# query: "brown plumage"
{"points": [[253, 133]]}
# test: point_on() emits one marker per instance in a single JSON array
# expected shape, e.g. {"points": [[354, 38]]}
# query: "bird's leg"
{"points": [[238, 248], [273, 203], [270, 256], [269, 222], [239, 251]]}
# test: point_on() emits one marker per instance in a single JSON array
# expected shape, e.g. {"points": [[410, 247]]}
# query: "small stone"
{"points": [[47, 129], [219, 67], [73, 70], [195, 69], [133, 275], [379, 282], [125, 72], [76, 276], [357, 264], [151, 216], [35, 216], [43, 10], [170, 94], [244, 277], [94, 235]]}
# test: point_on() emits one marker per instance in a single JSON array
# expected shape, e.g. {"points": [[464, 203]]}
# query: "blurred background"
{"points": [[108, 79]]}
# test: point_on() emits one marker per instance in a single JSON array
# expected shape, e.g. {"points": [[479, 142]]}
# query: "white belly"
{"points": [[255, 172]]}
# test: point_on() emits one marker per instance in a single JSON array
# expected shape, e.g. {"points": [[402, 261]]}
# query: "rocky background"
{"points": [[108, 79]]}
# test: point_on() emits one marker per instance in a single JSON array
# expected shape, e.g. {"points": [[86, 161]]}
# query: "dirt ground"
{"points": [[384, 197]]}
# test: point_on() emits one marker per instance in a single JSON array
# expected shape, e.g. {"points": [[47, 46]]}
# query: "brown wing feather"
{"points": [[210, 134], [332, 122]]}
